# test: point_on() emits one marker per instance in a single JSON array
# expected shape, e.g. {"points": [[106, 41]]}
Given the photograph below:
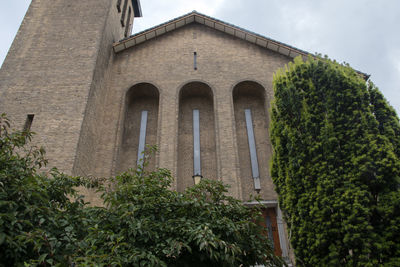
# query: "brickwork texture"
{"points": [[87, 100]]}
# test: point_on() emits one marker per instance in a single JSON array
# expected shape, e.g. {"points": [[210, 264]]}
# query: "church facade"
{"points": [[196, 87]]}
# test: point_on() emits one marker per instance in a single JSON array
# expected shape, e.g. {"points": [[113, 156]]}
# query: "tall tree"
{"points": [[336, 165]]}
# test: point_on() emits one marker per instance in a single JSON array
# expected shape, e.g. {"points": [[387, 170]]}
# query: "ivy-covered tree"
{"points": [[336, 165], [44, 221]]}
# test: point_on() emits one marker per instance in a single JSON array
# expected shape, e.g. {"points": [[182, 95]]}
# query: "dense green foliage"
{"points": [[146, 223], [43, 220], [38, 222], [336, 165]]}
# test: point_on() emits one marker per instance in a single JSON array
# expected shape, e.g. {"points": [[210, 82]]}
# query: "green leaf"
{"points": [[2, 238], [42, 257]]}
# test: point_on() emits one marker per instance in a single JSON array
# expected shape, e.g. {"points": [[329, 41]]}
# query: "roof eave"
{"points": [[195, 17]]}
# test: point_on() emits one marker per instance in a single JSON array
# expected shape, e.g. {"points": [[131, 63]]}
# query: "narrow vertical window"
{"points": [[253, 151], [195, 60], [123, 13], [268, 223], [28, 122], [196, 144], [128, 19], [119, 6], [142, 138], [281, 231]]}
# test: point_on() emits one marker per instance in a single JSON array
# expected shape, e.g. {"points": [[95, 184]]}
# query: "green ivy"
{"points": [[336, 165]]}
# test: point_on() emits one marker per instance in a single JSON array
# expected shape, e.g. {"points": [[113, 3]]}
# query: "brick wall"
{"points": [[77, 87], [251, 95], [141, 97], [167, 62], [90, 147], [198, 96], [61, 68], [51, 70]]}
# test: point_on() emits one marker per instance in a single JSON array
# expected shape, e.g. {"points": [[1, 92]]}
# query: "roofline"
{"points": [[196, 17], [137, 8]]}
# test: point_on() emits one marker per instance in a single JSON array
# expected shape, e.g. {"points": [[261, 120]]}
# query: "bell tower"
{"points": [[56, 66]]}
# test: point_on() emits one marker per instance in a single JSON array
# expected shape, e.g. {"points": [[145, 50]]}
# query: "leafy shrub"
{"points": [[44, 221]]}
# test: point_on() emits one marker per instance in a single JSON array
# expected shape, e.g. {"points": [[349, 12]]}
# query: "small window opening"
{"points": [[124, 13], [196, 143], [119, 6], [128, 19], [195, 60], [142, 137], [28, 122], [253, 150], [269, 229]]}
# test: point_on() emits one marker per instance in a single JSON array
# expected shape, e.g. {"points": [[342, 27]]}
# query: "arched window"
{"points": [[252, 137], [139, 125], [196, 134]]}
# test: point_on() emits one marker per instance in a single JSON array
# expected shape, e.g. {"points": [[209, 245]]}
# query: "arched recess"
{"points": [[139, 124], [196, 96], [250, 104]]}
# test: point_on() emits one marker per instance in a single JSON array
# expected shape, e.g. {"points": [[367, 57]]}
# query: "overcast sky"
{"points": [[363, 33]]}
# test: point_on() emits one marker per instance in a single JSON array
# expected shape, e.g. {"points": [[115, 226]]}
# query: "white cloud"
{"points": [[361, 32], [159, 11]]}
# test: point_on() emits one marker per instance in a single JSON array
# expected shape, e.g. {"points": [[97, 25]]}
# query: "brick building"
{"points": [[195, 86]]}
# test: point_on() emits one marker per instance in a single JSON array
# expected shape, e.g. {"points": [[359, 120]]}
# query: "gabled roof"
{"points": [[195, 17]]}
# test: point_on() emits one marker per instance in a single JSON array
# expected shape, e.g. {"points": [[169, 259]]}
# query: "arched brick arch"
{"points": [[251, 96], [140, 98], [196, 96]]}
